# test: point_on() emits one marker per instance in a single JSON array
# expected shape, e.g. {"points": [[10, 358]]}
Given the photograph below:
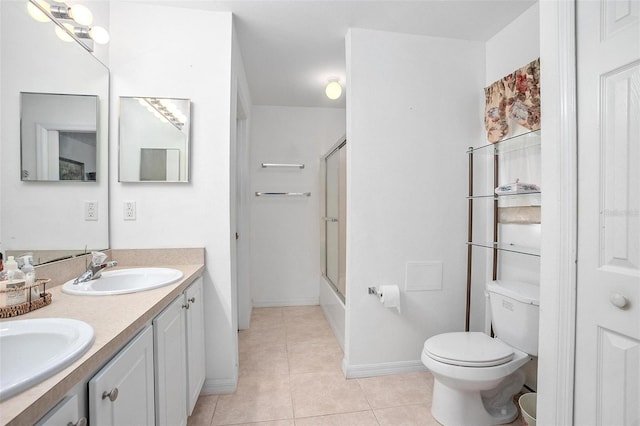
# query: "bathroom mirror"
{"points": [[154, 139], [58, 137], [48, 216]]}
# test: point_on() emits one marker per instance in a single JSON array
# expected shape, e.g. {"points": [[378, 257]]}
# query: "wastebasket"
{"points": [[527, 404]]}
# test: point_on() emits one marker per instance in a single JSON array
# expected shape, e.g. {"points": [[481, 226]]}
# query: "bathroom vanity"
{"points": [[137, 358]]}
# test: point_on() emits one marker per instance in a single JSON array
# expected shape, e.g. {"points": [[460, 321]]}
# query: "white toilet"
{"points": [[476, 376]]}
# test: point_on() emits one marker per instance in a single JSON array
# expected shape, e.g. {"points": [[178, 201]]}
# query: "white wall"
{"points": [[240, 191], [285, 239], [515, 45], [413, 107], [161, 60]]}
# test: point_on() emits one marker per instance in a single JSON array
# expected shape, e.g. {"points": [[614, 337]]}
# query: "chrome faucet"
{"points": [[94, 270]]}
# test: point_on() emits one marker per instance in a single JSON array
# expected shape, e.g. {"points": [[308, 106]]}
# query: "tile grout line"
{"points": [[214, 411], [286, 345]]}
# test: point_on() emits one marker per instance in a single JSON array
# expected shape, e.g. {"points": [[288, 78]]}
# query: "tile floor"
{"points": [[290, 374]]}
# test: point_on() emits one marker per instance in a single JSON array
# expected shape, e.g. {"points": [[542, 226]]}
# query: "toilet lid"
{"points": [[468, 349]]}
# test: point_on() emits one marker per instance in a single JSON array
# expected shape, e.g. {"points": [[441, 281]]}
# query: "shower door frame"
{"points": [[335, 150]]}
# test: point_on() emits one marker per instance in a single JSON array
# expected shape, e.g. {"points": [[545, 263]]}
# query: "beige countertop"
{"points": [[115, 320]]}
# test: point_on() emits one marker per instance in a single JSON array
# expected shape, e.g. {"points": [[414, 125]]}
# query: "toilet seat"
{"points": [[468, 349]]}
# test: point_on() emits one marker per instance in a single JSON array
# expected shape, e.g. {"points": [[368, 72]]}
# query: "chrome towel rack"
{"points": [[295, 165], [286, 194]]}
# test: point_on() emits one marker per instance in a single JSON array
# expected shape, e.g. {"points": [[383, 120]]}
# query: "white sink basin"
{"points": [[124, 281], [33, 350]]}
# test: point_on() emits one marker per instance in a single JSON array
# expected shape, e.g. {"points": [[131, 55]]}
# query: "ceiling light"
{"points": [[333, 89]]}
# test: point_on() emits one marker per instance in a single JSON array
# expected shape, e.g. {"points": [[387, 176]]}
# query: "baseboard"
{"points": [[219, 386], [382, 369], [307, 301]]}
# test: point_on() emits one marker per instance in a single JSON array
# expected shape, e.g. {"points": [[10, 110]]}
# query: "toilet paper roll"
{"points": [[389, 296]]}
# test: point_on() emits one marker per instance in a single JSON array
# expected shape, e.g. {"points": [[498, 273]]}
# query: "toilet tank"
{"points": [[515, 313]]}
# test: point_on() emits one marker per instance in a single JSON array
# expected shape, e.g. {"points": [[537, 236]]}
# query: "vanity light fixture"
{"points": [[73, 22], [333, 90], [35, 10], [166, 111]]}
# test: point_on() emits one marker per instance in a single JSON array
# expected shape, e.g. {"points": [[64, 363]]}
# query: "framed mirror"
{"points": [[58, 137], [154, 139], [47, 216]]}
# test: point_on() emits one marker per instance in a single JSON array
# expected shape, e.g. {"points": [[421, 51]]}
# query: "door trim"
{"points": [[559, 214]]}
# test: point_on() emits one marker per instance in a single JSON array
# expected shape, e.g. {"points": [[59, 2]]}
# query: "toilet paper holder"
{"points": [[387, 295]]}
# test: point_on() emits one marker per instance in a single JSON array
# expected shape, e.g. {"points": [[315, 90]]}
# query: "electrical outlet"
{"points": [[129, 210], [90, 210]]}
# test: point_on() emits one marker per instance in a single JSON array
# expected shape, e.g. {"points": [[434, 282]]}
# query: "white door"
{"points": [[607, 379]]}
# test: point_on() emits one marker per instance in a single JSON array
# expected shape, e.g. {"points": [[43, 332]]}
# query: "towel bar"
{"points": [[287, 194], [297, 165]]}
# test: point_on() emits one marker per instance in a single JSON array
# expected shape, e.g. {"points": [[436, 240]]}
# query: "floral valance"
{"points": [[514, 98]]}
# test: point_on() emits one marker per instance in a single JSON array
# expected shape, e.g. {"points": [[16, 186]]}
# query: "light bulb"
{"points": [[333, 90], [81, 14], [36, 13], [62, 34], [99, 35]]}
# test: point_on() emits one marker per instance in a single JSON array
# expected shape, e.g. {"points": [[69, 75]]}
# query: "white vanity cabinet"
{"points": [[179, 349], [66, 413], [122, 392], [155, 379]]}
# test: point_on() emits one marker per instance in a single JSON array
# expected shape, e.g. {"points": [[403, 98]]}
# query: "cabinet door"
{"points": [[171, 381], [195, 343], [122, 393], [65, 413]]}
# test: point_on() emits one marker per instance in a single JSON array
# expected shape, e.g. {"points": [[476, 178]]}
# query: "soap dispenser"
{"points": [[26, 262], [14, 283]]}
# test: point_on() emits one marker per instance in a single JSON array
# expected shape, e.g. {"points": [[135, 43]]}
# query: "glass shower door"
{"points": [[335, 219]]}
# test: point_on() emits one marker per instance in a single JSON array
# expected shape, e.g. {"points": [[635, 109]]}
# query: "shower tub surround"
{"points": [[115, 320]]}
